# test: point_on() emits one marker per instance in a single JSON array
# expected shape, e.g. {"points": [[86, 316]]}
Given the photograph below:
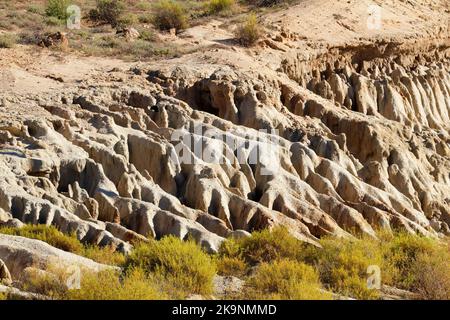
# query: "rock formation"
{"points": [[346, 140]]}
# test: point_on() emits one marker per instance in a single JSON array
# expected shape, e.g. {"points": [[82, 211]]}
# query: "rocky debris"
{"points": [[391, 293], [19, 253], [59, 39], [14, 293], [128, 33], [227, 286]]}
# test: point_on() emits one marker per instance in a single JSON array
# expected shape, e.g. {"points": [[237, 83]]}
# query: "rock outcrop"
{"points": [[19, 253]]}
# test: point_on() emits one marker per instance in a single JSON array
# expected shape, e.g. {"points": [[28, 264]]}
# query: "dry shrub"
{"points": [[249, 32], [231, 266], [263, 246], [217, 6], [287, 280], [168, 14], [182, 264], [108, 284], [8, 41], [108, 11], [419, 264], [342, 264]]}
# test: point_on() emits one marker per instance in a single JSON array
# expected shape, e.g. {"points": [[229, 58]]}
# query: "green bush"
{"points": [[231, 266], [263, 246], [401, 253], [249, 32], [106, 255], [108, 11], [57, 9], [8, 41], [342, 264], [147, 35], [216, 6], [169, 14], [287, 280], [183, 264], [127, 20], [419, 264], [144, 5]]}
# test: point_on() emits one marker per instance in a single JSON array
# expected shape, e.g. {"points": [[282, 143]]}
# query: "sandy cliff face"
{"points": [[339, 140]]}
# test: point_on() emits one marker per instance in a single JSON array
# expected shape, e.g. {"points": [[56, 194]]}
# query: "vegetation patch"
{"points": [[57, 9], [183, 265], [287, 280], [419, 264], [218, 6], [108, 11], [169, 14], [8, 41], [343, 265], [104, 285], [263, 246], [231, 266], [249, 32]]}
